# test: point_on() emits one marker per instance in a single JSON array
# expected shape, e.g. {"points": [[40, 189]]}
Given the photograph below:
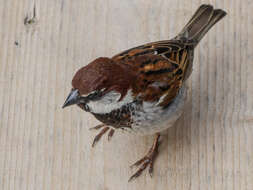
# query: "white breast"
{"points": [[152, 118], [148, 118]]}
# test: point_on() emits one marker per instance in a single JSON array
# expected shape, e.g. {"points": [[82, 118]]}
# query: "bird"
{"points": [[142, 90]]}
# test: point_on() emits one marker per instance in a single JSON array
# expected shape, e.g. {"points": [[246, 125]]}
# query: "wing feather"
{"points": [[162, 68]]}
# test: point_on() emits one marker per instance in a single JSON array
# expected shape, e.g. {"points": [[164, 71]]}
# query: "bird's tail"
{"points": [[200, 23]]}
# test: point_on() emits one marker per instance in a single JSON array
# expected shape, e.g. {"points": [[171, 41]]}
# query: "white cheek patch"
{"points": [[109, 102]]}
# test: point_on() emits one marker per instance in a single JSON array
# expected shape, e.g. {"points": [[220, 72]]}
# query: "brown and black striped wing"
{"points": [[163, 67], [166, 49]]}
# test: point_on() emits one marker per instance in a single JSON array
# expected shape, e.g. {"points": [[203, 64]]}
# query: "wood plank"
{"points": [[45, 147]]}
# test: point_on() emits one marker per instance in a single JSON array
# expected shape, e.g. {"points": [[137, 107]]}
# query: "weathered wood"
{"points": [[45, 147]]}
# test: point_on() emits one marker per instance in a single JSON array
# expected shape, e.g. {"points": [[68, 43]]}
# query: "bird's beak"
{"points": [[73, 98]]}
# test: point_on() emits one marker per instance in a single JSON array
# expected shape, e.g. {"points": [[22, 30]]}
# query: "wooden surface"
{"points": [[45, 147]]}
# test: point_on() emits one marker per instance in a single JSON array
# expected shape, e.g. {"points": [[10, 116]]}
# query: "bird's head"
{"points": [[92, 82]]}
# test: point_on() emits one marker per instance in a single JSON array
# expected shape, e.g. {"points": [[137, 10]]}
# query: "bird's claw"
{"points": [[147, 160], [101, 133]]}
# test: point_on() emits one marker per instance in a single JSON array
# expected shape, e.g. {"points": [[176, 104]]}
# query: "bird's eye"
{"points": [[94, 95]]}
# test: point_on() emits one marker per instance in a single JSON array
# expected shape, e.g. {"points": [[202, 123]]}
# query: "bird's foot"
{"points": [[104, 129], [147, 160]]}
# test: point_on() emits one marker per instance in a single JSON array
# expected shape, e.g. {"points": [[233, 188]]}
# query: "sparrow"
{"points": [[142, 90]]}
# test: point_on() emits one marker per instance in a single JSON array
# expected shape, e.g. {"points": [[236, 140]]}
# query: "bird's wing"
{"points": [[161, 67], [168, 49]]}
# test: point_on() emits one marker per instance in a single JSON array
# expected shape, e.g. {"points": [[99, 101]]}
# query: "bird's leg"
{"points": [[98, 127], [148, 159], [110, 134], [101, 133]]}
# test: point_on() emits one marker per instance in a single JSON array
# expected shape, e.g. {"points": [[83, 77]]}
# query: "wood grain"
{"points": [[45, 147]]}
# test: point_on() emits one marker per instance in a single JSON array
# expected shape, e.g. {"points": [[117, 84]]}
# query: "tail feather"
{"points": [[200, 23]]}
